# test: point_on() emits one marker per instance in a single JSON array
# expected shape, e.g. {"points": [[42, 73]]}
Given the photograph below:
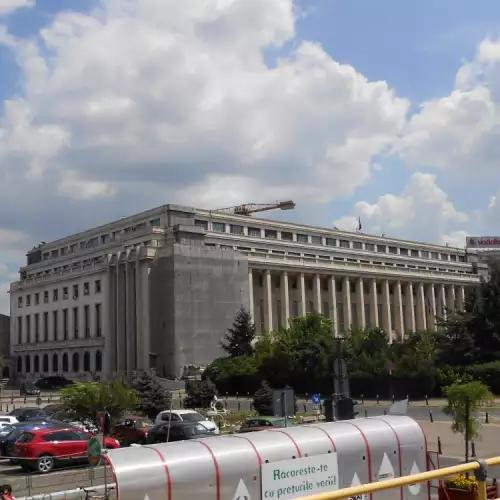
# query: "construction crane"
{"points": [[252, 208]]}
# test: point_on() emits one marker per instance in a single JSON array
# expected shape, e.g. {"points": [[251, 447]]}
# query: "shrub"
{"points": [[263, 400]]}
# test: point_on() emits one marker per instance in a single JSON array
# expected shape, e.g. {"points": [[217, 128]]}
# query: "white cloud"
{"points": [[460, 132], [422, 212], [7, 6]]}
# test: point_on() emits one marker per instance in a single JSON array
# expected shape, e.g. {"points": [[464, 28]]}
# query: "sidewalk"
{"points": [[453, 445]]}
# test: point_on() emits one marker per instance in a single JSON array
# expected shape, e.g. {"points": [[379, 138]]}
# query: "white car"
{"points": [[7, 420], [186, 416]]}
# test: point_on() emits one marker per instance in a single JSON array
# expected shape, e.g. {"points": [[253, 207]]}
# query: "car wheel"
{"points": [[45, 464]]}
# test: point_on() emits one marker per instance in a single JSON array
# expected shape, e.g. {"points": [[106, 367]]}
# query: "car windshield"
{"points": [[280, 422], [7, 429], [195, 430], [192, 417]]}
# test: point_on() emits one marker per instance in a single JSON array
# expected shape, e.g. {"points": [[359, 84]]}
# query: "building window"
{"points": [[218, 227], [37, 299], [97, 286], [45, 364], [75, 292], [76, 362], [46, 297], [36, 364], [370, 247], [19, 302], [414, 253], [444, 256], [434, 255], [393, 250], [201, 223], [254, 232], [20, 330], [286, 236], [55, 295], [37, 328], [295, 309], [331, 242], [45, 326], [86, 321], [403, 251], [98, 331], [344, 244], [453, 257], [55, 363], [86, 362], [86, 288], [272, 234], [98, 361], [381, 248], [234, 229], [28, 328], [302, 238], [65, 292], [357, 245], [28, 300], [104, 239], [55, 325], [65, 324], [316, 240], [326, 309], [75, 322]]}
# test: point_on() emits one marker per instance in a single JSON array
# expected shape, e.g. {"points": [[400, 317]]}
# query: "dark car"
{"points": [[28, 413], [265, 423], [179, 431], [53, 383], [29, 389], [52, 409], [10, 434], [132, 430]]}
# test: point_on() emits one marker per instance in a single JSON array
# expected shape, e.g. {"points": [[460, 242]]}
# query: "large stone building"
{"points": [[158, 289]]}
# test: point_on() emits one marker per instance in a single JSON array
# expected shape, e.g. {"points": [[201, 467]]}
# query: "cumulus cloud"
{"points": [[422, 212], [8, 6], [460, 133]]}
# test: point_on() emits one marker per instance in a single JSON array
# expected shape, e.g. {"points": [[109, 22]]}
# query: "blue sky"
{"points": [[136, 103]]}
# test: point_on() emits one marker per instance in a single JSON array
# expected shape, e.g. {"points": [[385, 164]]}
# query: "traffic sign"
{"points": [[316, 399], [94, 452]]}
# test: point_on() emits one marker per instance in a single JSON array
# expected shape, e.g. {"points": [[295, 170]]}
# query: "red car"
{"points": [[44, 449], [132, 430]]}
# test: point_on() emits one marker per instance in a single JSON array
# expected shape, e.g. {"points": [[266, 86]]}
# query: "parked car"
{"points": [[265, 423], [132, 430], [28, 413], [29, 389], [44, 449], [179, 431], [53, 383], [6, 420], [10, 434], [186, 416], [52, 408]]}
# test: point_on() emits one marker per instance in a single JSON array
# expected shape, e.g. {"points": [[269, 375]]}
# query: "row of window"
{"points": [[273, 234], [95, 241], [41, 364], [39, 331], [56, 295]]}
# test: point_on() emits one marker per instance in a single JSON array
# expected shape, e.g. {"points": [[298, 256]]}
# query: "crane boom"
{"points": [[252, 208]]}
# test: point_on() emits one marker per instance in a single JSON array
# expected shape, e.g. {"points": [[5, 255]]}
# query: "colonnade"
{"points": [[394, 305]]}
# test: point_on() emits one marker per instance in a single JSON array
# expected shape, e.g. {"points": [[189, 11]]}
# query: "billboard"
{"points": [[483, 241]]}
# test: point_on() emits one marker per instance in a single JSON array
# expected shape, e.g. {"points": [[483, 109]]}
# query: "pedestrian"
{"points": [[7, 492]]}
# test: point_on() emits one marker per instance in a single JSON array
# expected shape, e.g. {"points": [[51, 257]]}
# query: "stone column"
{"points": [[360, 300], [250, 294], [461, 298], [139, 308], [268, 301], [431, 307], [386, 309], [374, 319], [130, 318], [398, 310], [332, 295], [109, 352], [441, 301], [120, 316], [302, 291], [410, 307], [450, 299], [421, 319], [285, 300], [346, 288], [318, 306]]}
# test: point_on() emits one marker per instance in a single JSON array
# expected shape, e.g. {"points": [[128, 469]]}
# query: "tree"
{"points": [[464, 401], [153, 398], [263, 400], [232, 375], [200, 394], [240, 337], [82, 400]]}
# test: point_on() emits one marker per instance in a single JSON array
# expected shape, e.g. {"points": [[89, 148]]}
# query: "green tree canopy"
{"points": [[239, 338], [82, 400], [153, 398]]}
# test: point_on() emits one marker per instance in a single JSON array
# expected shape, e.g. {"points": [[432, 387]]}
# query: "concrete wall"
{"points": [[195, 293]]}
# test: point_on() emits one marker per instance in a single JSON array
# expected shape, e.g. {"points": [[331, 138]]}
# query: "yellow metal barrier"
{"points": [[368, 488]]}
